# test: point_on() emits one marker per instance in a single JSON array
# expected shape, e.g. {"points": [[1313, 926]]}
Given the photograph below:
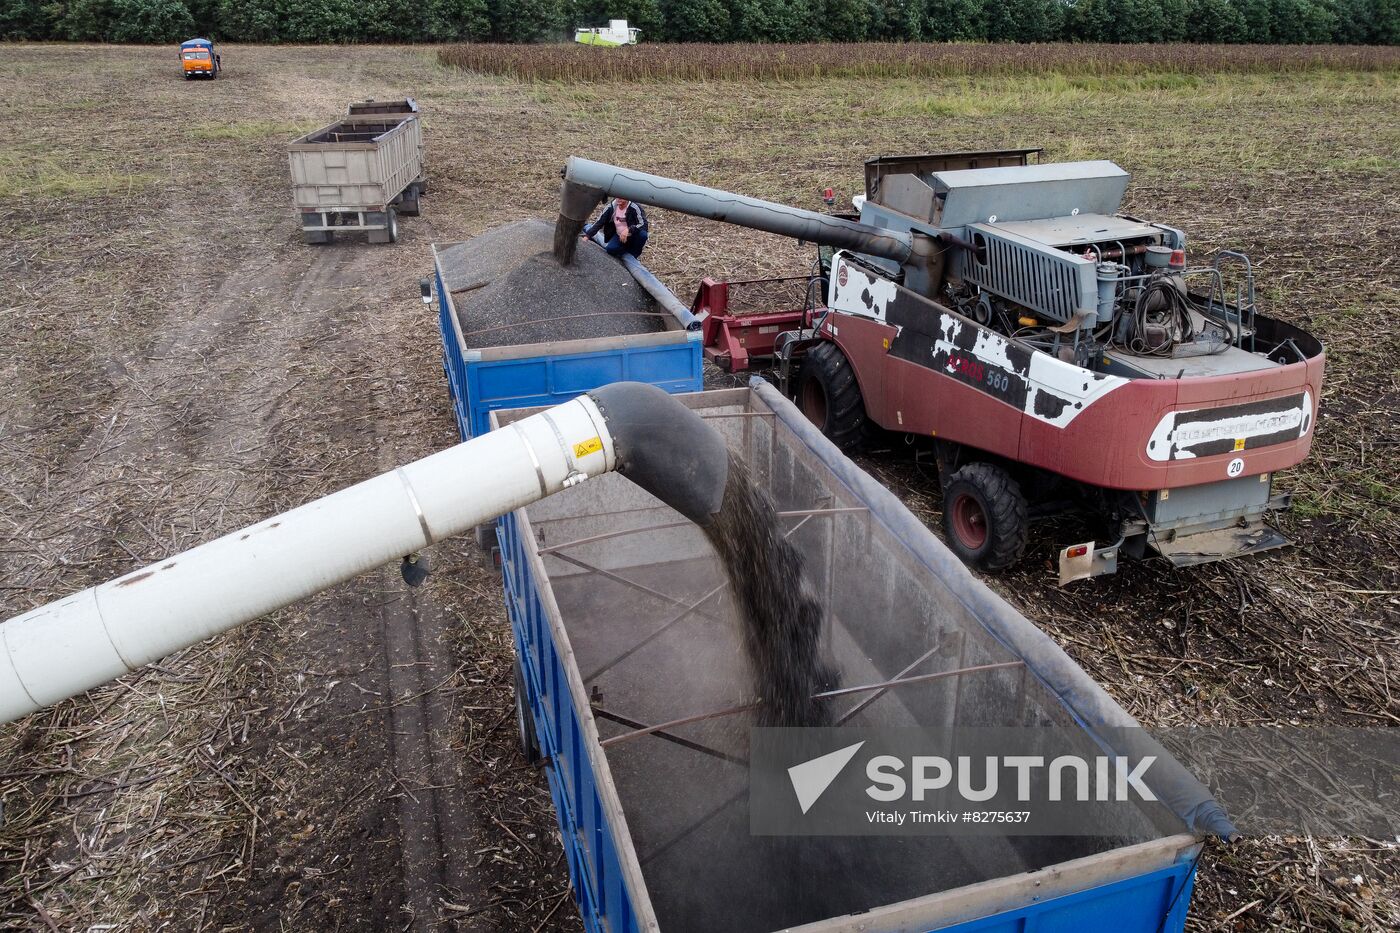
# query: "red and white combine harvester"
{"points": [[1059, 353]]}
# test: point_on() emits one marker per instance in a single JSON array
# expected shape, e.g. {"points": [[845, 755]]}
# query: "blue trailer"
{"points": [[488, 379], [611, 602]]}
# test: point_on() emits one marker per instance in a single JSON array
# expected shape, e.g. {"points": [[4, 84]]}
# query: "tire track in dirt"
{"points": [[166, 465], [319, 781], [389, 731], [433, 818]]}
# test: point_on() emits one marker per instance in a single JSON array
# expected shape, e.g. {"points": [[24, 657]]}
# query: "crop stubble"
{"points": [[109, 457]]}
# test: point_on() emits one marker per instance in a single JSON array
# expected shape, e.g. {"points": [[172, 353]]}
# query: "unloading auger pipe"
{"points": [[662, 295], [657, 289], [66, 647], [592, 181]]}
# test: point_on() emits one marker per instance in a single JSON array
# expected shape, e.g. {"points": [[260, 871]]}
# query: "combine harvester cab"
{"points": [[1060, 355], [199, 60]]}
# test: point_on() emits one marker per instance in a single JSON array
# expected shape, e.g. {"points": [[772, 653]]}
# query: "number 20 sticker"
{"points": [[1235, 468]]}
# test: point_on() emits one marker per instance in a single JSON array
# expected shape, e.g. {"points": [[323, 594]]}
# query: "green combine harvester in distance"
{"points": [[614, 34]]}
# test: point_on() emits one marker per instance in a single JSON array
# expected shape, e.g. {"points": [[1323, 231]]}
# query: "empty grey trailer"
{"points": [[378, 107], [357, 175]]}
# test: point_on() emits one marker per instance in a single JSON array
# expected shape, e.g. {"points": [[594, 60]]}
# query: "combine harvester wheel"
{"points": [[831, 399], [984, 516]]}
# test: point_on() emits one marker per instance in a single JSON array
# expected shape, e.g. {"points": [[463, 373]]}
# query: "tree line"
{"points": [[1226, 21]]}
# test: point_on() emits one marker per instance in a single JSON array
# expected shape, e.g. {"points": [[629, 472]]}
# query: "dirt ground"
{"points": [[177, 364]]}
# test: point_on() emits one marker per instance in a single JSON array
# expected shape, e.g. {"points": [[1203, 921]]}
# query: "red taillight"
{"points": [[1079, 550], [1178, 260], [829, 195]]}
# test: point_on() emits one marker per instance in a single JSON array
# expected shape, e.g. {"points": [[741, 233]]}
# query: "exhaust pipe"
{"points": [[587, 183], [66, 647]]}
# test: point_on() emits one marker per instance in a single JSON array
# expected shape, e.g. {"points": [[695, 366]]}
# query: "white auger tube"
{"points": [[71, 645]]}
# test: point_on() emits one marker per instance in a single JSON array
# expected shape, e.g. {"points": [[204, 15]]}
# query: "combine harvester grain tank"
{"points": [[1058, 353]]}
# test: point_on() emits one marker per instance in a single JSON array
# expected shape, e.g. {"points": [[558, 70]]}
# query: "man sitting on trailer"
{"points": [[624, 227]]}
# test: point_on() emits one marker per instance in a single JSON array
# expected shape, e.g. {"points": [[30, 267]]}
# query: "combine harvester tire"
{"points": [[984, 516], [831, 399]]}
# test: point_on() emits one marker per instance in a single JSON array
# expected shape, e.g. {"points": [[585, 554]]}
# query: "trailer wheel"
{"points": [[389, 233], [317, 237], [409, 205], [525, 720], [830, 398], [485, 535], [490, 549], [984, 516]]}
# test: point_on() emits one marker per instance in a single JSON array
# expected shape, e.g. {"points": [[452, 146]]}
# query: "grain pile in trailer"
{"points": [[508, 289]]}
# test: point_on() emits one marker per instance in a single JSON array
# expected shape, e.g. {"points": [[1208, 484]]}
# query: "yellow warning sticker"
{"points": [[1239, 443], [592, 445]]}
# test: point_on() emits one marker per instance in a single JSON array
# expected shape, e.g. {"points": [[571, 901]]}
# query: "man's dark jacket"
{"points": [[636, 222]]}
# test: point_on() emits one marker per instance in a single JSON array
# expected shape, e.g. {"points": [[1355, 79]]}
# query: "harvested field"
{"points": [[178, 363]]}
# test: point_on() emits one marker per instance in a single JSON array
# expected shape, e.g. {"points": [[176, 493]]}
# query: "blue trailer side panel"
{"points": [[594, 865], [549, 380], [1152, 903], [480, 387]]}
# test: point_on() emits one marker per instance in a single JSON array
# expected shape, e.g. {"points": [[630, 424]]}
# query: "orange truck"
{"points": [[198, 59]]}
